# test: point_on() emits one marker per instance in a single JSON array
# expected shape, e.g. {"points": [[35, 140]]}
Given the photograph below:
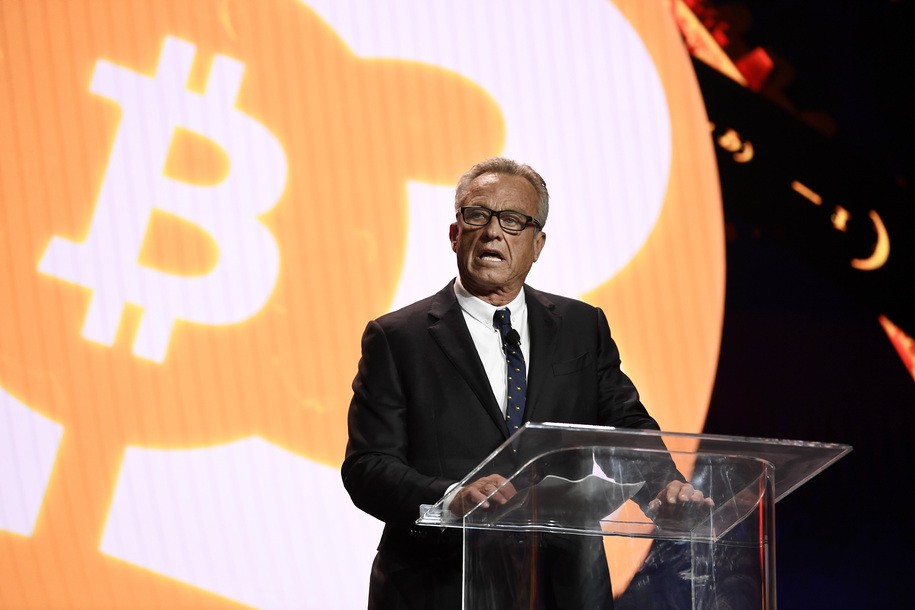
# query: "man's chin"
{"points": [[483, 284], [486, 279]]}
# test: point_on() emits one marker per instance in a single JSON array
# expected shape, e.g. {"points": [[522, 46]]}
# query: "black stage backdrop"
{"points": [[804, 355]]}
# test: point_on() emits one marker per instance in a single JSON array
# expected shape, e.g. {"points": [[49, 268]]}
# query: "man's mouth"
{"points": [[491, 257]]}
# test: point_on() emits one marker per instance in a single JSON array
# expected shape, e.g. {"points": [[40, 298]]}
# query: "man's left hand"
{"points": [[679, 506]]}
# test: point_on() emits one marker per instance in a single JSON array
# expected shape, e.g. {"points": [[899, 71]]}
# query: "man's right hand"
{"points": [[481, 490]]}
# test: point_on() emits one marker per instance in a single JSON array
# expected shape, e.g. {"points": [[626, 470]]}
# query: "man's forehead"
{"points": [[487, 179], [496, 188]]}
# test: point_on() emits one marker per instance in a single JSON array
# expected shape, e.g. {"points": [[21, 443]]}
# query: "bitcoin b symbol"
{"points": [[135, 185]]}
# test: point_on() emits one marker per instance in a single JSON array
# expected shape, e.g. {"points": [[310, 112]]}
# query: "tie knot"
{"points": [[503, 321]]}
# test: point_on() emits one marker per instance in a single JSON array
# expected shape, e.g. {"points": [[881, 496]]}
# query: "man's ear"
{"points": [[452, 235], [539, 242]]}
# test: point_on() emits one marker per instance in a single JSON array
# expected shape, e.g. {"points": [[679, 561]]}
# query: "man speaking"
{"points": [[445, 381]]}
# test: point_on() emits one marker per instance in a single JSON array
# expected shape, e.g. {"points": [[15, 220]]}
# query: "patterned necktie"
{"points": [[517, 377]]}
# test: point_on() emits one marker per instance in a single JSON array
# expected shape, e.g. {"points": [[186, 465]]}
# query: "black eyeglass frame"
{"points": [[528, 220]]}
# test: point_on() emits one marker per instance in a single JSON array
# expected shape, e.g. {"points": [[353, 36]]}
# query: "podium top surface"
{"points": [[576, 478]]}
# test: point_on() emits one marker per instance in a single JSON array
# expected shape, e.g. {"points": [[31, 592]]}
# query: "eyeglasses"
{"points": [[509, 220]]}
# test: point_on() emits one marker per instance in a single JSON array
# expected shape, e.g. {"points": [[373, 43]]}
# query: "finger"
{"points": [[672, 488], [469, 497], [503, 494], [670, 491], [488, 490], [495, 479], [686, 492], [496, 488], [507, 491], [499, 498], [479, 497]]}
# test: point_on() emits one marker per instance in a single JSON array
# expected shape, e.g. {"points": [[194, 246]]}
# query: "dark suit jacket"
{"points": [[423, 415]]}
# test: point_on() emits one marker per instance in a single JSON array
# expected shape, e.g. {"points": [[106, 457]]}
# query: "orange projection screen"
{"points": [[203, 202]]}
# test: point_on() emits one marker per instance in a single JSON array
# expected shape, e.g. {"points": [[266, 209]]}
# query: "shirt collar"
{"points": [[483, 312]]}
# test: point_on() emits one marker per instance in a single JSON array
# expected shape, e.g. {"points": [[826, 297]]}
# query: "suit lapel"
{"points": [[544, 328], [449, 330]]}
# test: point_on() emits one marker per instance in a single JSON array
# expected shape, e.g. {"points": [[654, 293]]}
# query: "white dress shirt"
{"points": [[478, 315]]}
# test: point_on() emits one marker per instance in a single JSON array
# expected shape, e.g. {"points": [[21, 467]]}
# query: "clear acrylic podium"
{"points": [[578, 490]]}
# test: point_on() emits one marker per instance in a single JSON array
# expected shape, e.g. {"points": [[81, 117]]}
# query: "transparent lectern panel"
{"points": [[550, 567], [545, 570], [534, 570], [580, 479], [584, 489], [576, 489]]}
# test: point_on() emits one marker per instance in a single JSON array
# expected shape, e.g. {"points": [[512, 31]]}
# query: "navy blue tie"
{"points": [[517, 377]]}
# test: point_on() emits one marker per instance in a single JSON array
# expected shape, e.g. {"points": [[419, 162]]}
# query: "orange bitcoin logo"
{"points": [[202, 203], [198, 188]]}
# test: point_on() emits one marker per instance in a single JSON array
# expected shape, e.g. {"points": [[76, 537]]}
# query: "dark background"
{"points": [[842, 66], [803, 353]]}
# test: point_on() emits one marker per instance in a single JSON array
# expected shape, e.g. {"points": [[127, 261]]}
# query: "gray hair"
{"points": [[501, 165]]}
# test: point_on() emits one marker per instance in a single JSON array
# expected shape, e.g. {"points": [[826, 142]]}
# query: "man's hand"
{"points": [[481, 490], [679, 506]]}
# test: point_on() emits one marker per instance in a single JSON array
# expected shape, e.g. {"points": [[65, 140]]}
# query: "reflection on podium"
{"points": [[570, 486]]}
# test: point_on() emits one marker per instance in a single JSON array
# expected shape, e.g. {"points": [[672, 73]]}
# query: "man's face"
{"points": [[493, 263]]}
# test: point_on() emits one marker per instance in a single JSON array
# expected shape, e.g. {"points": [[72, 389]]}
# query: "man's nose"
{"points": [[493, 227]]}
